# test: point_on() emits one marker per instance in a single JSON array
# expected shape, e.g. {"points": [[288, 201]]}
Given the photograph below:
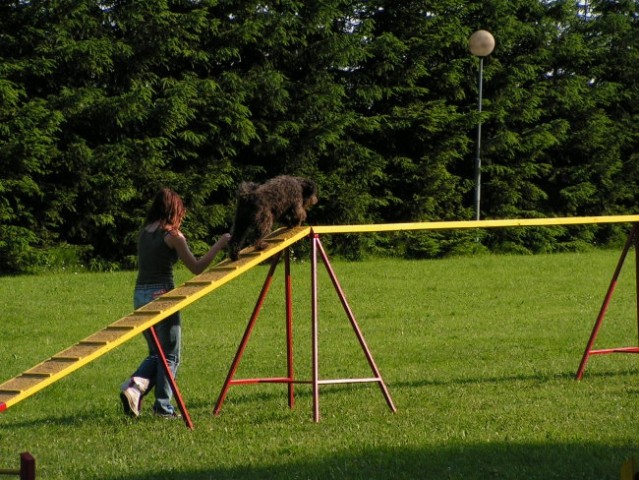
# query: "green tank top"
{"points": [[155, 258]]}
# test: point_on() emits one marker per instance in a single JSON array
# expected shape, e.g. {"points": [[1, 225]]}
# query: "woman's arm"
{"points": [[177, 241]]}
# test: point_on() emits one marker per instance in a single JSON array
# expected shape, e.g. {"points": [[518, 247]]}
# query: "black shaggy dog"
{"points": [[284, 199]]}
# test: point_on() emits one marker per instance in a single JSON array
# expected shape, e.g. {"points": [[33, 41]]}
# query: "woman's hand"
{"points": [[223, 241], [195, 265]]}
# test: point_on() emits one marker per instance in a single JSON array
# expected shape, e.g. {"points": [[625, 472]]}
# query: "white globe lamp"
{"points": [[481, 44]]}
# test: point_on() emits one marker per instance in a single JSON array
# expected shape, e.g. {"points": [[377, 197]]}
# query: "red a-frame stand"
{"points": [[633, 240], [290, 380]]}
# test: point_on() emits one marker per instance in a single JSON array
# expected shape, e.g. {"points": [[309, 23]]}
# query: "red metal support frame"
{"points": [[358, 332], [290, 380], [167, 371], [633, 240], [247, 334]]}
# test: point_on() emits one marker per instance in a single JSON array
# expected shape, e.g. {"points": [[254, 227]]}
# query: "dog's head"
{"points": [[246, 188], [309, 192]]}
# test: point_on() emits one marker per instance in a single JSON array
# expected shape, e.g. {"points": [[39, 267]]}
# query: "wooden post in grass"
{"points": [[629, 470], [27, 468]]}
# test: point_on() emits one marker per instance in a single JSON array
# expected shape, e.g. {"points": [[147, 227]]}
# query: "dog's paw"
{"points": [[261, 245]]}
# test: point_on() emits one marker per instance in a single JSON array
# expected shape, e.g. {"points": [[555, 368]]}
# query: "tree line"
{"points": [[104, 102]]}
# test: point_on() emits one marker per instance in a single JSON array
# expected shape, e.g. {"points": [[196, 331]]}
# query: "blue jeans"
{"points": [[169, 333]]}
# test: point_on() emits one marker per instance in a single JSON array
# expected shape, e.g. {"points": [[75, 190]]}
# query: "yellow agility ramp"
{"points": [[119, 332], [87, 350]]}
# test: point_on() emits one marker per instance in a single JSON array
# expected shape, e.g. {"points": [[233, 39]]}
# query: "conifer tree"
{"points": [[104, 101]]}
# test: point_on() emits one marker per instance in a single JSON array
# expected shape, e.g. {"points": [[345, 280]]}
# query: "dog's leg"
{"points": [[263, 226], [239, 232], [235, 245], [295, 216], [300, 215]]}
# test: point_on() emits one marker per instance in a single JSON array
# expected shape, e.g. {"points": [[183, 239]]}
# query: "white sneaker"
{"points": [[130, 398], [131, 395]]}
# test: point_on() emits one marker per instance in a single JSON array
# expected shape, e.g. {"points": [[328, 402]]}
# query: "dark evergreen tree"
{"points": [[104, 101]]}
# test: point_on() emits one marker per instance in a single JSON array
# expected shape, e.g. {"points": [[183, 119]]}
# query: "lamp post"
{"points": [[481, 44]]}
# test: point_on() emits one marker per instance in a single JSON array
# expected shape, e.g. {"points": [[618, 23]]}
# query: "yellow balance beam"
{"points": [[466, 224]]}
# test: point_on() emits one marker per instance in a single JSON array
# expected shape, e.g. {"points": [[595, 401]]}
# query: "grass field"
{"points": [[479, 355]]}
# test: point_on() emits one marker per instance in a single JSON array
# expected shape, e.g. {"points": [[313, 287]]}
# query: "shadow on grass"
{"points": [[250, 398], [542, 378], [487, 461], [253, 395]]}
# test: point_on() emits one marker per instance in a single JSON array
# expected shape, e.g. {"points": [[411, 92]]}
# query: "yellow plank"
{"points": [[105, 336], [454, 225], [19, 384], [119, 332], [50, 367]]}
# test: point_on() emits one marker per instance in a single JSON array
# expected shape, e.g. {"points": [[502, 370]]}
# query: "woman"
{"points": [[160, 245]]}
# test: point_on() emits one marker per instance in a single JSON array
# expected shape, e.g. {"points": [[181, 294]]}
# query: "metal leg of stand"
{"points": [[317, 246], [314, 331], [356, 329], [635, 233], [245, 338], [289, 329], [632, 240], [171, 378]]}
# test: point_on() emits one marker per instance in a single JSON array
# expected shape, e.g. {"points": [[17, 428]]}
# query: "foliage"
{"points": [[479, 356], [104, 101]]}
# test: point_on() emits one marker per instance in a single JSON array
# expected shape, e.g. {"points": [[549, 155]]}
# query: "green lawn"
{"points": [[479, 355]]}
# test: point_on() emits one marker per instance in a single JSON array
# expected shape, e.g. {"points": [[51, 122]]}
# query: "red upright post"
{"points": [[635, 234], [289, 328], [27, 466], [169, 374], [314, 329]]}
